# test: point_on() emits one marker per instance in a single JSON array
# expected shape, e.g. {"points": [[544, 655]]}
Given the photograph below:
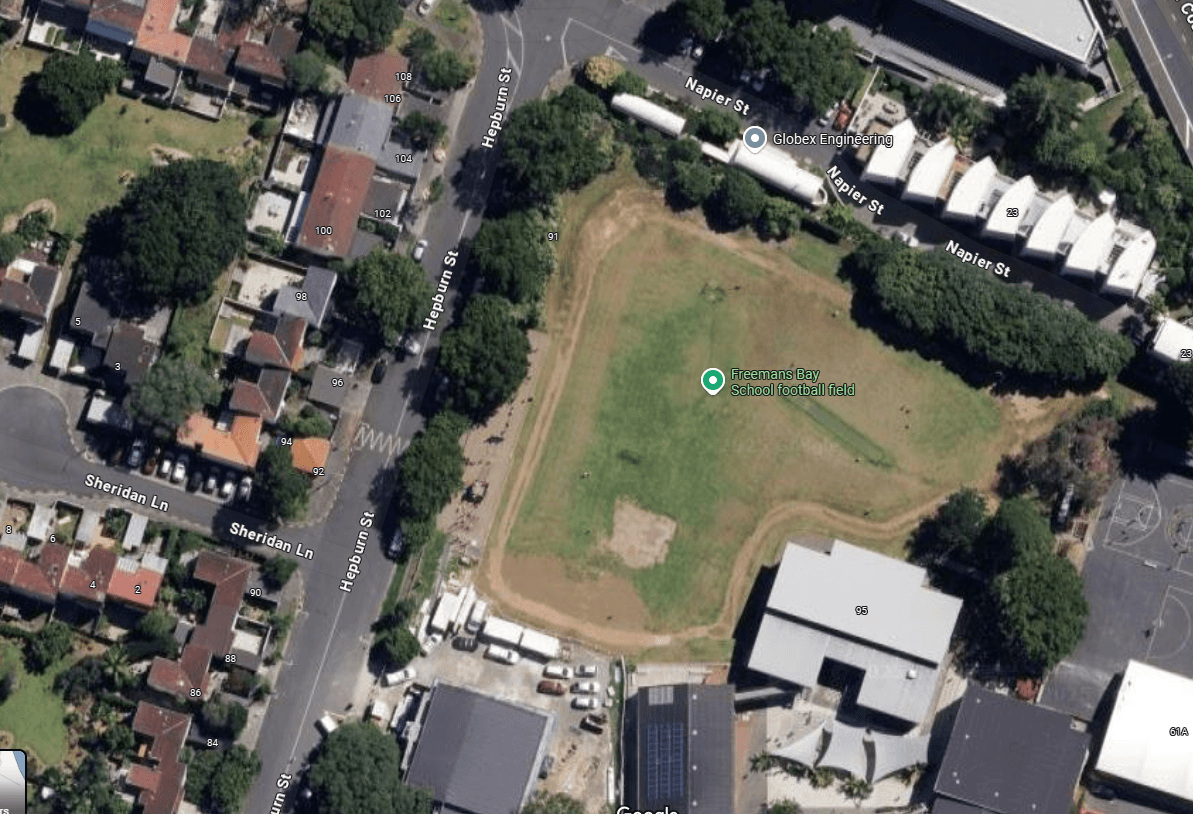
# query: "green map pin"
{"points": [[712, 380]]}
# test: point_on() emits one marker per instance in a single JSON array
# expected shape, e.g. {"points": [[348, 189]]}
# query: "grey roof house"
{"points": [[309, 302]]}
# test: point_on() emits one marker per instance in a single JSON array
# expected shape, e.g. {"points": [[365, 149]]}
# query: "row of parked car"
{"points": [[586, 693], [176, 467]]}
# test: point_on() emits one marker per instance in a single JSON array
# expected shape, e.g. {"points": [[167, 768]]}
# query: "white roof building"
{"points": [[898, 639], [929, 174], [502, 632], [1004, 220], [970, 191], [1044, 239], [649, 113], [775, 167], [1091, 248], [886, 163], [1137, 747], [539, 644], [1126, 275], [1171, 340]]}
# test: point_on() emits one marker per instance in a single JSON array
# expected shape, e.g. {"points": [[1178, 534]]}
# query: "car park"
{"points": [[245, 489], [549, 687], [503, 654], [586, 670], [228, 488], [585, 702], [212, 481], [398, 677], [136, 453], [420, 248], [557, 671], [179, 473], [167, 464], [587, 687]]}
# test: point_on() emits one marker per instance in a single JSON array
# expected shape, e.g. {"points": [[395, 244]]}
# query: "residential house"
{"points": [[231, 440], [161, 779], [377, 76], [336, 202], [310, 455], [265, 397], [215, 637], [279, 347], [327, 387], [87, 576], [310, 301], [118, 349], [33, 580], [135, 583], [28, 290], [87, 579]]}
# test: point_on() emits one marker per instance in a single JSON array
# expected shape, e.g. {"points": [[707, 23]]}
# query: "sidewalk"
{"points": [[324, 493]]}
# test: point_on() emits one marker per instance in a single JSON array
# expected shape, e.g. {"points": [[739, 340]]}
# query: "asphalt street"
{"points": [[1164, 38]]}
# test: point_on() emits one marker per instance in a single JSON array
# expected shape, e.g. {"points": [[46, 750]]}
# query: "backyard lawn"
{"points": [[81, 172], [34, 714]]}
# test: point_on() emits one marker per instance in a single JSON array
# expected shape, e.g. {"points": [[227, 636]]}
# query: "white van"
{"points": [[503, 654], [557, 671], [477, 618], [327, 725]]}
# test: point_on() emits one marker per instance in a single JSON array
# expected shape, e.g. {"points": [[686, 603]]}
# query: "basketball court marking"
{"points": [[1184, 606], [1132, 520]]}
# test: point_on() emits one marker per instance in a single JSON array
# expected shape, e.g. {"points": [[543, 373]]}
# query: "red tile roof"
{"points": [[336, 202], [310, 453], [124, 584], [210, 60], [375, 75], [90, 579], [40, 579], [280, 348], [163, 780], [156, 34], [237, 445]]}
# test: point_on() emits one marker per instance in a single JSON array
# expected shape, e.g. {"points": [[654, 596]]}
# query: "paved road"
{"points": [[1164, 38]]}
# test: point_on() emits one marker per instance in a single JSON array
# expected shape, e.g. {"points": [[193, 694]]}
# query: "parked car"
{"points": [[398, 677], [431, 643], [827, 116], [409, 346], [213, 480], [420, 248], [697, 51], [503, 654], [557, 671], [245, 489], [585, 702], [548, 765], [549, 687], [592, 725], [327, 725], [586, 670], [167, 464], [379, 370], [179, 473], [136, 453], [229, 487], [396, 543], [195, 481], [587, 687], [686, 45], [467, 644]]}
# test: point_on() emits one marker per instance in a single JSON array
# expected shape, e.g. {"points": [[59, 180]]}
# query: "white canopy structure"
{"points": [[892, 753], [1004, 220], [1090, 248], [806, 750], [846, 750], [971, 190], [775, 167], [886, 163], [649, 113], [1126, 275], [1170, 339], [929, 174], [1043, 240]]}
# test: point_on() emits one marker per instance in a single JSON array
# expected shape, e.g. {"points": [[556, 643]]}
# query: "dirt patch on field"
{"points": [[11, 221], [640, 538], [164, 155]]}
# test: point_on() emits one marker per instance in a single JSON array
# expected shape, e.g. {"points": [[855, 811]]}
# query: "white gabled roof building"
{"points": [[929, 174], [777, 168], [1043, 241], [1170, 340], [1090, 248], [886, 163], [1127, 273], [1007, 214], [970, 191]]}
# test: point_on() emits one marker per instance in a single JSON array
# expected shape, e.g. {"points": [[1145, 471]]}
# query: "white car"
{"points": [[587, 687], [228, 488], [398, 677], [503, 654], [424, 8], [585, 702], [245, 490], [179, 473], [327, 725], [431, 643], [163, 469], [586, 670], [557, 671], [420, 248]]}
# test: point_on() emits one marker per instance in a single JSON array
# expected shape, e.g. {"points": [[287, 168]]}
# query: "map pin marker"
{"points": [[712, 380], [754, 138]]}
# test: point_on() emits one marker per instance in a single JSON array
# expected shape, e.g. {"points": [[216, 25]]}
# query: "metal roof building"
{"points": [[970, 191], [1137, 748], [929, 174], [680, 748], [539, 644], [1063, 30], [502, 632], [1009, 757], [775, 167], [1005, 217], [886, 163], [649, 113], [476, 754], [1045, 236], [1126, 275], [1090, 248], [898, 641], [1170, 340]]}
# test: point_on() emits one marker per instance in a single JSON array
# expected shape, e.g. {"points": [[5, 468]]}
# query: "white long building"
{"points": [[657, 116], [776, 168], [1047, 227]]}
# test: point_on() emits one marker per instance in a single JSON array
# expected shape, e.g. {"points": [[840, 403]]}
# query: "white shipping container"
{"points": [[476, 618], [502, 631]]}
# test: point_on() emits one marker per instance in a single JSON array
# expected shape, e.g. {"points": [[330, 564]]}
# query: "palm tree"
{"points": [[116, 671]]}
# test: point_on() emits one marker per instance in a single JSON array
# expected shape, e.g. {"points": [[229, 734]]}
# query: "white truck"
{"points": [[480, 610]]}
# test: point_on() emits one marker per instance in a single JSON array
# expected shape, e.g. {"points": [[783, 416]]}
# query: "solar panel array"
{"points": [[665, 761]]}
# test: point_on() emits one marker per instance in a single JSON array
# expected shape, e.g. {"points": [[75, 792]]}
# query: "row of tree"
{"points": [[1002, 328]]}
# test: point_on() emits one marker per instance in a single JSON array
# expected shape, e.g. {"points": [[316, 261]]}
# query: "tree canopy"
{"points": [[692, 183], [714, 125], [388, 292], [306, 72], [171, 391], [67, 89], [280, 488], [486, 357], [218, 781], [705, 19], [553, 145], [396, 646], [1043, 609], [353, 773], [223, 717], [423, 131], [1016, 531], [431, 469], [738, 200], [173, 233], [955, 528], [513, 255], [446, 70], [357, 26], [49, 645], [945, 109]]}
